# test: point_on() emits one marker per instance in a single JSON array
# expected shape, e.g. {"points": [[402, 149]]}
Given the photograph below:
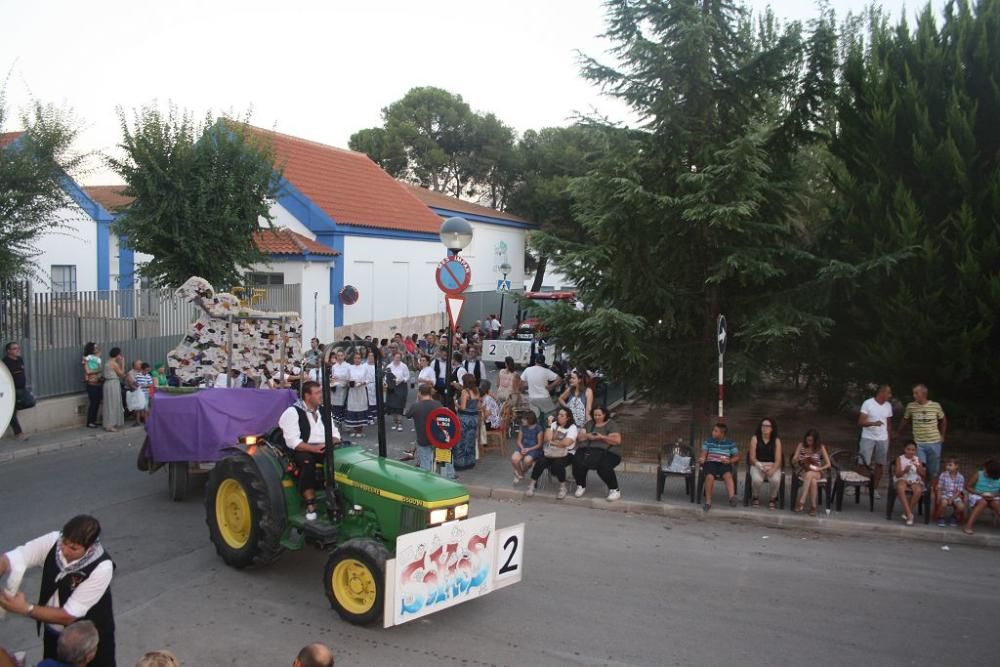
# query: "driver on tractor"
{"points": [[305, 437]]}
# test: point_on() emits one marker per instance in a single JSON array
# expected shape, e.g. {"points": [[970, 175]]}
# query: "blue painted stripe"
{"points": [[303, 209], [489, 220], [373, 232], [302, 257], [335, 241], [103, 219]]}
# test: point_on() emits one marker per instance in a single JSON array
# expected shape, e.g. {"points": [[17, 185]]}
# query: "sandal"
{"points": [[812, 512], [968, 531], [771, 505], [755, 503], [801, 507]]}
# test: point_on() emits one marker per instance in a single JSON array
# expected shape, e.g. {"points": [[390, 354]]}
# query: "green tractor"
{"points": [[255, 512]]}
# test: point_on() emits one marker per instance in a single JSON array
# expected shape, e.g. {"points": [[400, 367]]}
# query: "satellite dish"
{"points": [[8, 397]]}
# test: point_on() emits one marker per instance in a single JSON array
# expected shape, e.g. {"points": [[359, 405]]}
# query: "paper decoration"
{"points": [[204, 352]]}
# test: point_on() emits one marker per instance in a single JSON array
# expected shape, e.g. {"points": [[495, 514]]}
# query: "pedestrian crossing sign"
{"points": [[503, 285]]}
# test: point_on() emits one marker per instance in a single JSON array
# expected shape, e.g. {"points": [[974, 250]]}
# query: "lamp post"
{"points": [[504, 269], [456, 235]]}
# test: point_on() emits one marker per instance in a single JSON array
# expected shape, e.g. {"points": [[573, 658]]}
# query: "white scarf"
{"points": [[93, 553]]}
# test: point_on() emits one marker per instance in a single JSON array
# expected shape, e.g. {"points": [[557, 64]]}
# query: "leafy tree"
{"points": [[33, 170], [699, 211], [919, 143], [200, 191]]}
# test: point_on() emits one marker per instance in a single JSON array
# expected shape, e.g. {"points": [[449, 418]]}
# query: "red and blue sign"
{"points": [[443, 428], [453, 275]]}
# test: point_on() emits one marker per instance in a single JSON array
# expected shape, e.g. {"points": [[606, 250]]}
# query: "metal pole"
{"points": [[721, 387], [229, 356], [502, 295]]}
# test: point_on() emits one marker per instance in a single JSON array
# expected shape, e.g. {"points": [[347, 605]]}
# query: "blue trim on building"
{"points": [[303, 257], [126, 265], [335, 241], [303, 209], [489, 220], [373, 232], [103, 219]]}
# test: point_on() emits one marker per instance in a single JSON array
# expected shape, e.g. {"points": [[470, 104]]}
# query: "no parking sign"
{"points": [[444, 431]]}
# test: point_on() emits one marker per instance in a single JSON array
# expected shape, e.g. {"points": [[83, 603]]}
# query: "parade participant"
{"points": [[560, 444], [371, 385], [395, 398], [473, 364], [76, 584], [875, 421], [356, 413], [340, 372], [305, 436], [595, 451], [930, 426], [765, 461], [440, 366], [718, 454]]}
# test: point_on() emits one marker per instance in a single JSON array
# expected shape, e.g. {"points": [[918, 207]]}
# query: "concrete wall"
{"points": [[54, 413]]}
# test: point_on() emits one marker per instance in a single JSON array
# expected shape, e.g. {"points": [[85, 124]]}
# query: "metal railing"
{"points": [[52, 327]]}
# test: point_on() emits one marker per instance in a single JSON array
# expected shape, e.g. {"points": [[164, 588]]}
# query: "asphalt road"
{"points": [[600, 588]]}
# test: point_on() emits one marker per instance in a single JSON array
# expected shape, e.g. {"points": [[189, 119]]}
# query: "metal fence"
{"points": [[52, 327]]}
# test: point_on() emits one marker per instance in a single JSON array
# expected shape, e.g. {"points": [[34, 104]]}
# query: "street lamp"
{"points": [[456, 235], [504, 269]]}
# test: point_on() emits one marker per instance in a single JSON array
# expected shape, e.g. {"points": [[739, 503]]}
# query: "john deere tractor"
{"points": [[255, 512]]}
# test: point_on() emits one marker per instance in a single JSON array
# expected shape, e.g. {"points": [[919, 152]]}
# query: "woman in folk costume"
{"points": [[356, 414]]}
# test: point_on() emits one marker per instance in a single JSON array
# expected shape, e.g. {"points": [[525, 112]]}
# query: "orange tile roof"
{"points": [[111, 197], [9, 138], [348, 186], [282, 241], [441, 200]]}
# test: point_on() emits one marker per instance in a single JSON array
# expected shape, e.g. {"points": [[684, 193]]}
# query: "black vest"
{"points": [[476, 370], [305, 428], [101, 614]]}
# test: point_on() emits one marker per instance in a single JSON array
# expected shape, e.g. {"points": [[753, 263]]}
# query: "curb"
{"points": [[45, 448], [779, 519]]}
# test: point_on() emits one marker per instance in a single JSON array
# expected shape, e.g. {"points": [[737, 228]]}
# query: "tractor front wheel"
{"points": [[354, 579], [243, 525]]}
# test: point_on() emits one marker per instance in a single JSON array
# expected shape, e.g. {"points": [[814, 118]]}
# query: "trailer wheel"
{"points": [[177, 480], [243, 525], [354, 579]]}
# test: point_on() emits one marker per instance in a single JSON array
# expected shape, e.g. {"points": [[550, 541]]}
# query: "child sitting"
{"points": [[984, 491], [718, 455], [951, 492], [909, 476], [529, 446]]}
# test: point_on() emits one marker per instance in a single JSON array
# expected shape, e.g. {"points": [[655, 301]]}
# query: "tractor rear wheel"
{"points": [[243, 525], [354, 579]]}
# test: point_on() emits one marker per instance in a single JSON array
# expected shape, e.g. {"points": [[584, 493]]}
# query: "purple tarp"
{"points": [[195, 427]]}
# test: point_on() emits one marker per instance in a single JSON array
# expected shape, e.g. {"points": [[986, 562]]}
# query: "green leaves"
{"points": [[200, 191]]}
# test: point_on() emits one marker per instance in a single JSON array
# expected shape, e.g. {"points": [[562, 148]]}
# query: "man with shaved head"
{"points": [[314, 655]]}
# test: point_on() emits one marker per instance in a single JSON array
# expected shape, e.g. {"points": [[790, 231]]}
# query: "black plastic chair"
{"points": [[664, 459], [851, 470], [748, 486]]}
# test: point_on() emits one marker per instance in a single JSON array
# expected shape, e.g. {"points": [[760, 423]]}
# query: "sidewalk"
{"points": [[53, 441], [492, 478]]}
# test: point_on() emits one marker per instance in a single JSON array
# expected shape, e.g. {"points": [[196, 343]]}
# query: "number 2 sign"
{"points": [[509, 560]]}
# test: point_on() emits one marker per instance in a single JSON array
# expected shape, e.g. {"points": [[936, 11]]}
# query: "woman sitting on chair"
{"points": [[597, 442], [909, 474], [765, 461], [813, 460]]}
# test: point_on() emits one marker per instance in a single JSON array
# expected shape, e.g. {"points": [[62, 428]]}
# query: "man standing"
{"points": [[930, 426], [15, 364], [76, 584], [473, 364], [305, 437], [419, 412], [875, 421], [540, 381]]}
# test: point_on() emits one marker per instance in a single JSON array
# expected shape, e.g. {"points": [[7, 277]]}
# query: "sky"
{"points": [[316, 69]]}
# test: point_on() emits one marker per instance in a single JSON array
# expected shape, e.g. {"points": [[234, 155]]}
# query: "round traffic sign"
{"points": [[453, 275], [349, 295], [443, 428], [721, 334]]}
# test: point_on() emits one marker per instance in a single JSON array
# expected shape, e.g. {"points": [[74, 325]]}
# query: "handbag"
{"points": [[24, 399], [135, 400], [553, 452], [589, 457]]}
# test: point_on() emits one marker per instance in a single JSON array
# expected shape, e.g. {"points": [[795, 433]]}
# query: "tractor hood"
{"points": [[358, 468]]}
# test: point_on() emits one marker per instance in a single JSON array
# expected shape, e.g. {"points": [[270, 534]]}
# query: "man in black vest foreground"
{"points": [[76, 584], [305, 438]]}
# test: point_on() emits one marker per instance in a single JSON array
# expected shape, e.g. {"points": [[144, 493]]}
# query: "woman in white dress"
{"points": [[339, 377], [372, 387], [356, 414]]}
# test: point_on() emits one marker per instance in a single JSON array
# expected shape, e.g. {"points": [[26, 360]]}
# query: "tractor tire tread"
{"points": [[267, 531]]}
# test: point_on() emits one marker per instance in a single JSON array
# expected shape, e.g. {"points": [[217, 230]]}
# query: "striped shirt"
{"points": [[925, 421], [717, 449], [143, 381]]}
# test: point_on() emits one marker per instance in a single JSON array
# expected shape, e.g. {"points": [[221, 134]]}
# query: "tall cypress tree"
{"points": [[697, 213], [919, 140]]}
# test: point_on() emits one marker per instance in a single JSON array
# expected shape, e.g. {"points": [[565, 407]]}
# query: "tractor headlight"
{"points": [[461, 511], [249, 440], [438, 516]]}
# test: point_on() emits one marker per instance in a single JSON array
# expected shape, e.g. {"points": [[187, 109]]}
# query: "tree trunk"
{"points": [[539, 274]]}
